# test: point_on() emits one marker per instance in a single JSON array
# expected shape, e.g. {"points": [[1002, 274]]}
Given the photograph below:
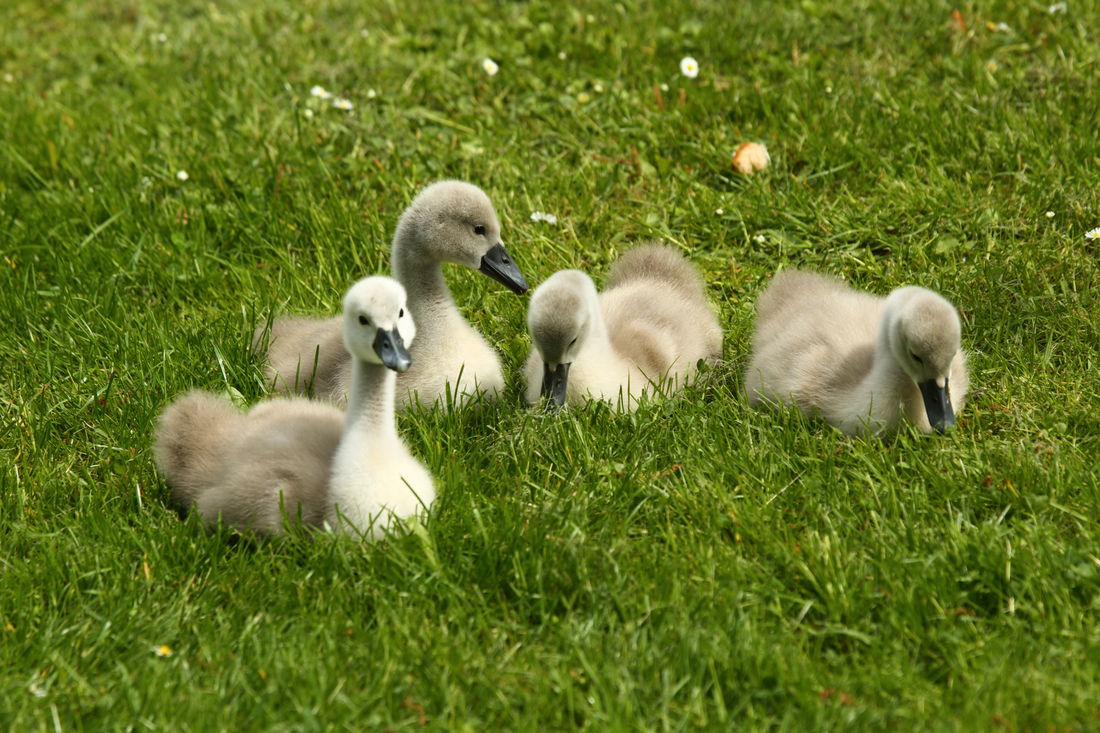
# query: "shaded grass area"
{"points": [[695, 564]]}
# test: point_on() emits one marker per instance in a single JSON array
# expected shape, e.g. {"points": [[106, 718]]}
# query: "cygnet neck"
{"points": [[371, 399], [887, 375], [420, 273], [597, 326]]}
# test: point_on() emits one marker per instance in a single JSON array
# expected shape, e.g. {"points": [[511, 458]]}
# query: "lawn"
{"points": [[168, 182]]}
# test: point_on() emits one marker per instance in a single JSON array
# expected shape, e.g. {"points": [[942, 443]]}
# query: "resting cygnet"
{"points": [[650, 326], [450, 221], [306, 460], [860, 361]]}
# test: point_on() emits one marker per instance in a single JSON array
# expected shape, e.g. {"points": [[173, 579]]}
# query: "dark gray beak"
{"points": [[500, 266], [554, 382], [391, 350], [937, 404]]}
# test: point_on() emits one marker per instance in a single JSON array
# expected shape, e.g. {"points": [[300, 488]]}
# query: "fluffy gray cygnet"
{"points": [[860, 361], [449, 221], [647, 330]]}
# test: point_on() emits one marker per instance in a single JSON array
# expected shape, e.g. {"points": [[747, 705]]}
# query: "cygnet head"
{"points": [[924, 336], [377, 323], [559, 319], [453, 221]]}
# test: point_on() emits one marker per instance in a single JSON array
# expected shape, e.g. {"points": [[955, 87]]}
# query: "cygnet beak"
{"points": [[391, 350], [937, 404], [554, 382], [500, 266]]}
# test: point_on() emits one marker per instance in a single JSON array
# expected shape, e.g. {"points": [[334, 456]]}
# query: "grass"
{"points": [[695, 564]]}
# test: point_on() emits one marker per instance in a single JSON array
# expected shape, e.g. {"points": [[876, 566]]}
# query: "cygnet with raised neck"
{"points": [[449, 221], [307, 462]]}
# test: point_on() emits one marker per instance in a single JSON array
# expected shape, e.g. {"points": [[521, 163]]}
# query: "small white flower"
{"points": [[307, 112], [490, 66], [163, 650], [371, 94], [719, 212], [597, 88], [1057, 8], [1050, 215], [146, 182], [759, 239], [562, 55], [320, 92], [664, 87], [689, 67], [1002, 28], [9, 78], [584, 98], [182, 175], [543, 216], [162, 38], [344, 104], [1093, 233], [828, 90], [36, 690]]}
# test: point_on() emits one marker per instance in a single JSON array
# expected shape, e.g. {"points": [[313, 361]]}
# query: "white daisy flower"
{"points": [[163, 650], [759, 239], [371, 94], [182, 175], [320, 92], [719, 212], [597, 88], [307, 112], [562, 55], [1057, 8], [36, 690], [490, 66], [1093, 233], [1002, 28], [1050, 215], [689, 67], [664, 87], [344, 104], [543, 216]]}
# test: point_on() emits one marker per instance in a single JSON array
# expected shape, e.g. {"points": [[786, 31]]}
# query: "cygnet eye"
{"points": [[573, 342], [479, 230], [916, 358], [363, 320]]}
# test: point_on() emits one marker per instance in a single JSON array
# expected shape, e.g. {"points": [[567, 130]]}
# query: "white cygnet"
{"points": [[303, 461]]}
